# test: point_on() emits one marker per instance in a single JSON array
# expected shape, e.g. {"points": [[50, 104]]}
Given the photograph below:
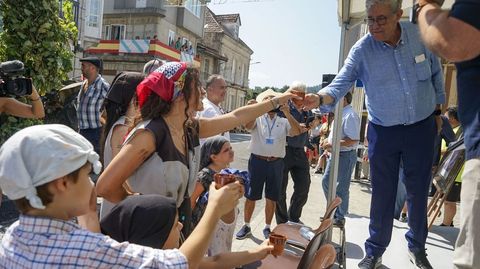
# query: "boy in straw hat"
{"points": [[45, 170]]}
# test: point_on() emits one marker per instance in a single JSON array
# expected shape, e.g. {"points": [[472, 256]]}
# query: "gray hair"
{"points": [[151, 65], [298, 85], [394, 4], [211, 79]]}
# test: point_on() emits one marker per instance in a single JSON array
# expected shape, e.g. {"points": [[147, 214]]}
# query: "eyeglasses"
{"points": [[381, 20]]}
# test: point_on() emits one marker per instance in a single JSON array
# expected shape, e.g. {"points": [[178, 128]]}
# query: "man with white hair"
{"points": [[216, 89], [152, 65], [404, 88], [349, 138], [296, 163]]}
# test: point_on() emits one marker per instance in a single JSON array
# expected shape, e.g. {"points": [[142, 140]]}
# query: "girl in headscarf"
{"points": [[217, 154], [152, 220], [161, 153], [119, 112]]}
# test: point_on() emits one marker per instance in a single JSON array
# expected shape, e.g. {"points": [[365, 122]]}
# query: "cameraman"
{"points": [[13, 107]]}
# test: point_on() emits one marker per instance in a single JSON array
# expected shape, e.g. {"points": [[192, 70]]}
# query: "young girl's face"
{"points": [[173, 239], [225, 156]]}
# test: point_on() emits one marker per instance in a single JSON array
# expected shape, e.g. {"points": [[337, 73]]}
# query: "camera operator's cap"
{"points": [[93, 60], [40, 154], [266, 93]]}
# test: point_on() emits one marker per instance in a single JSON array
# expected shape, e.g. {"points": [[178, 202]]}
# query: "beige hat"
{"points": [[266, 93]]}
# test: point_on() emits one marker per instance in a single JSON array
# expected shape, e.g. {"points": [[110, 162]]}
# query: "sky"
{"points": [[291, 39]]}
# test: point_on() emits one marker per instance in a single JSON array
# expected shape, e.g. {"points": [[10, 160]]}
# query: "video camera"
{"points": [[14, 84]]}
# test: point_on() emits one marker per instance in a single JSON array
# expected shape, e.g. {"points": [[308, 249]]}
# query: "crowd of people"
{"points": [[158, 138]]}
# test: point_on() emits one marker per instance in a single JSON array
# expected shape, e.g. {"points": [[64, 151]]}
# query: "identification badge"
{"points": [[269, 141], [420, 58]]}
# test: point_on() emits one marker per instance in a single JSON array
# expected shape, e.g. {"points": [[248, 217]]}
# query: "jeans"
{"points": [[467, 248], [93, 136], [346, 163]]}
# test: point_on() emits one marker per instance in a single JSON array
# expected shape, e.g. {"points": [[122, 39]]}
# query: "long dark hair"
{"points": [[119, 97], [155, 107]]}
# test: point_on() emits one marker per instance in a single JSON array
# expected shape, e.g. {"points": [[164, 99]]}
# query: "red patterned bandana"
{"points": [[167, 81]]}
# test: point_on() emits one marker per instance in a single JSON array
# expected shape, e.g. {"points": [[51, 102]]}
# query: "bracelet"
{"points": [[275, 103], [34, 100]]}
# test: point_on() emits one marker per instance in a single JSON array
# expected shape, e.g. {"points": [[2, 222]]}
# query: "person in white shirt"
{"points": [[216, 88], [265, 166]]}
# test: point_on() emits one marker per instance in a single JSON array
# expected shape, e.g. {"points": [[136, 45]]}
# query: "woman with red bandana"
{"points": [[161, 153]]}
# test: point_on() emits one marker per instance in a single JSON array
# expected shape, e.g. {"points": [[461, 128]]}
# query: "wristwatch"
{"points": [[275, 102], [437, 112], [419, 5]]}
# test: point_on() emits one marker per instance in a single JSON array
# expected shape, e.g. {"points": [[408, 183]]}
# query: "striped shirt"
{"points": [[90, 102], [35, 242]]}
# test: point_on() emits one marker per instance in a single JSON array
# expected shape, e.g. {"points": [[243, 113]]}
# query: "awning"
{"points": [[352, 12]]}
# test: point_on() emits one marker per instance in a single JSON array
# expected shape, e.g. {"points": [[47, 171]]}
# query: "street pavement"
{"points": [[359, 208], [360, 192]]}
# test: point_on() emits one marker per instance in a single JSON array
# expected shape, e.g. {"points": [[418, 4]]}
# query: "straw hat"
{"points": [[266, 93]]}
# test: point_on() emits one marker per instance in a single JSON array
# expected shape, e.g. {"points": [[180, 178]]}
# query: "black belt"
{"points": [[265, 158]]}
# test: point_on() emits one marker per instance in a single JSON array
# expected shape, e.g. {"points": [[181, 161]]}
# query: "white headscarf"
{"points": [[40, 154]]}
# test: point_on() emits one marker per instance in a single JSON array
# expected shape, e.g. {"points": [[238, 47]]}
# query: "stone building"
{"points": [[136, 31], [221, 51]]}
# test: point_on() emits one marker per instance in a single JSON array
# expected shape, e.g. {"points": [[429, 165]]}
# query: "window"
{"points": [[171, 38], [242, 78], [194, 6], [76, 10], [115, 32], [233, 71], [206, 68], [231, 105], [141, 4], [93, 19]]}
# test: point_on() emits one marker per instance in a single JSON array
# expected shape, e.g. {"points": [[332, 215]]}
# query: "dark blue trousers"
{"points": [[413, 145], [296, 163], [93, 136]]}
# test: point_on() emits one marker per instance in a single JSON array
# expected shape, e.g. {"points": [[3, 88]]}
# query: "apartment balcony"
{"points": [[145, 47], [150, 7]]}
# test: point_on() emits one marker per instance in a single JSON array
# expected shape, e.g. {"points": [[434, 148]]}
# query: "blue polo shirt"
{"points": [[468, 82], [297, 141]]}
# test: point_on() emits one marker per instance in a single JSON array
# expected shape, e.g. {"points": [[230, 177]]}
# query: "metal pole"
{"points": [[332, 181]]}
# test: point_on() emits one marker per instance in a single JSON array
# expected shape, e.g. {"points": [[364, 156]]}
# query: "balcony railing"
{"points": [[140, 46]]}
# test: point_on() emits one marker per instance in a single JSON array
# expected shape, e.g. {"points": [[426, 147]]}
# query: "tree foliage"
{"points": [[34, 33]]}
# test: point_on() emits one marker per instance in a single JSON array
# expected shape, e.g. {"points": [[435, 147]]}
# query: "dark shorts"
{"points": [[268, 173], [454, 194]]}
